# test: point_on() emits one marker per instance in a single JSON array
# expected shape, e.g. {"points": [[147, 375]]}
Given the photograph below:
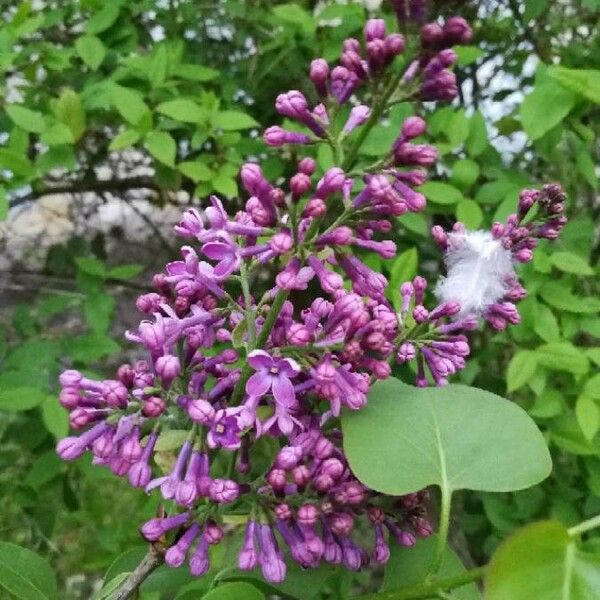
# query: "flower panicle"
{"points": [[227, 365]]}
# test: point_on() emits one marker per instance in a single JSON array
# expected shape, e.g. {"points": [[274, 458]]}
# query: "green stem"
{"points": [[374, 117], [442, 540], [250, 325], [272, 315], [584, 526], [429, 590]]}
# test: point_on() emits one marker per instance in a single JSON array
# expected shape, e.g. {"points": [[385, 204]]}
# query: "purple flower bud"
{"points": [[213, 533], [307, 166], [70, 378], [413, 127], [153, 406], [358, 115], [153, 529], [176, 554], [457, 31], [167, 368], [333, 467], [114, 393], [276, 136], [199, 563], [131, 449], [331, 182], [319, 72], [394, 45], [288, 457], [308, 514], [224, 491], [415, 154], [406, 353], [432, 35], [374, 29], [247, 558], [282, 242], [69, 398], [277, 479]]}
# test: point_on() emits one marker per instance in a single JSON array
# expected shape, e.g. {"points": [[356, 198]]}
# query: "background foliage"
{"points": [[158, 98]]}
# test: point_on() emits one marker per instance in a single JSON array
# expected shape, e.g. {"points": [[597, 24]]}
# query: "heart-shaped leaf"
{"points": [[409, 566], [543, 561], [457, 437]]}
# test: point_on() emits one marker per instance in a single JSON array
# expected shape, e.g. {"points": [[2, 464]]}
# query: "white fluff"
{"points": [[478, 271]]}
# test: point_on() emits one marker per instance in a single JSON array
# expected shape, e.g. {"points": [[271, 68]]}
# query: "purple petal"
{"points": [[288, 367], [283, 391], [259, 359], [259, 384], [218, 250]]}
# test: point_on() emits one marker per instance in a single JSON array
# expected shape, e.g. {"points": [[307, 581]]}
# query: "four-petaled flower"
{"points": [[225, 430], [272, 374]]}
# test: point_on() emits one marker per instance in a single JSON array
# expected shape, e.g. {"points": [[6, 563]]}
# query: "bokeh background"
{"points": [[115, 116]]}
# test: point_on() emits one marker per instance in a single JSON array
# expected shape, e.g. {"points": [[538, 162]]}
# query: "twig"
{"points": [[93, 185], [150, 562]]}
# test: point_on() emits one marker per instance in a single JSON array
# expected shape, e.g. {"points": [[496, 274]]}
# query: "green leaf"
{"points": [[195, 72], [233, 120], [587, 415], [111, 586], [441, 193], [159, 63], [162, 146], [545, 324], [91, 50], [295, 15], [236, 590], [26, 575], [571, 263], [57, 135], [69, 110], [21, 398], [92, 347], [457, 437], [585, 82], [25, 118], [171, 439], [458, 129], [555, 294], [125, 271], [223, 184], [3, 204], [104, 18], [545, 107], [125, 139], [548, 404], [55, 417], [467, 54], [477, 140], [542, 561], [533, 9], [464, 173], [562, 356], [410, 566], [404, 268], [98, 309], [91, 266], [592, 385], [521, 369], [15, 162], [183, 110], [469, 213], [129, 104], [196, 170]]}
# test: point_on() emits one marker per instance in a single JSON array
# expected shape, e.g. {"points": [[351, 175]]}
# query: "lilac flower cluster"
{"points": [[227, 367]]}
